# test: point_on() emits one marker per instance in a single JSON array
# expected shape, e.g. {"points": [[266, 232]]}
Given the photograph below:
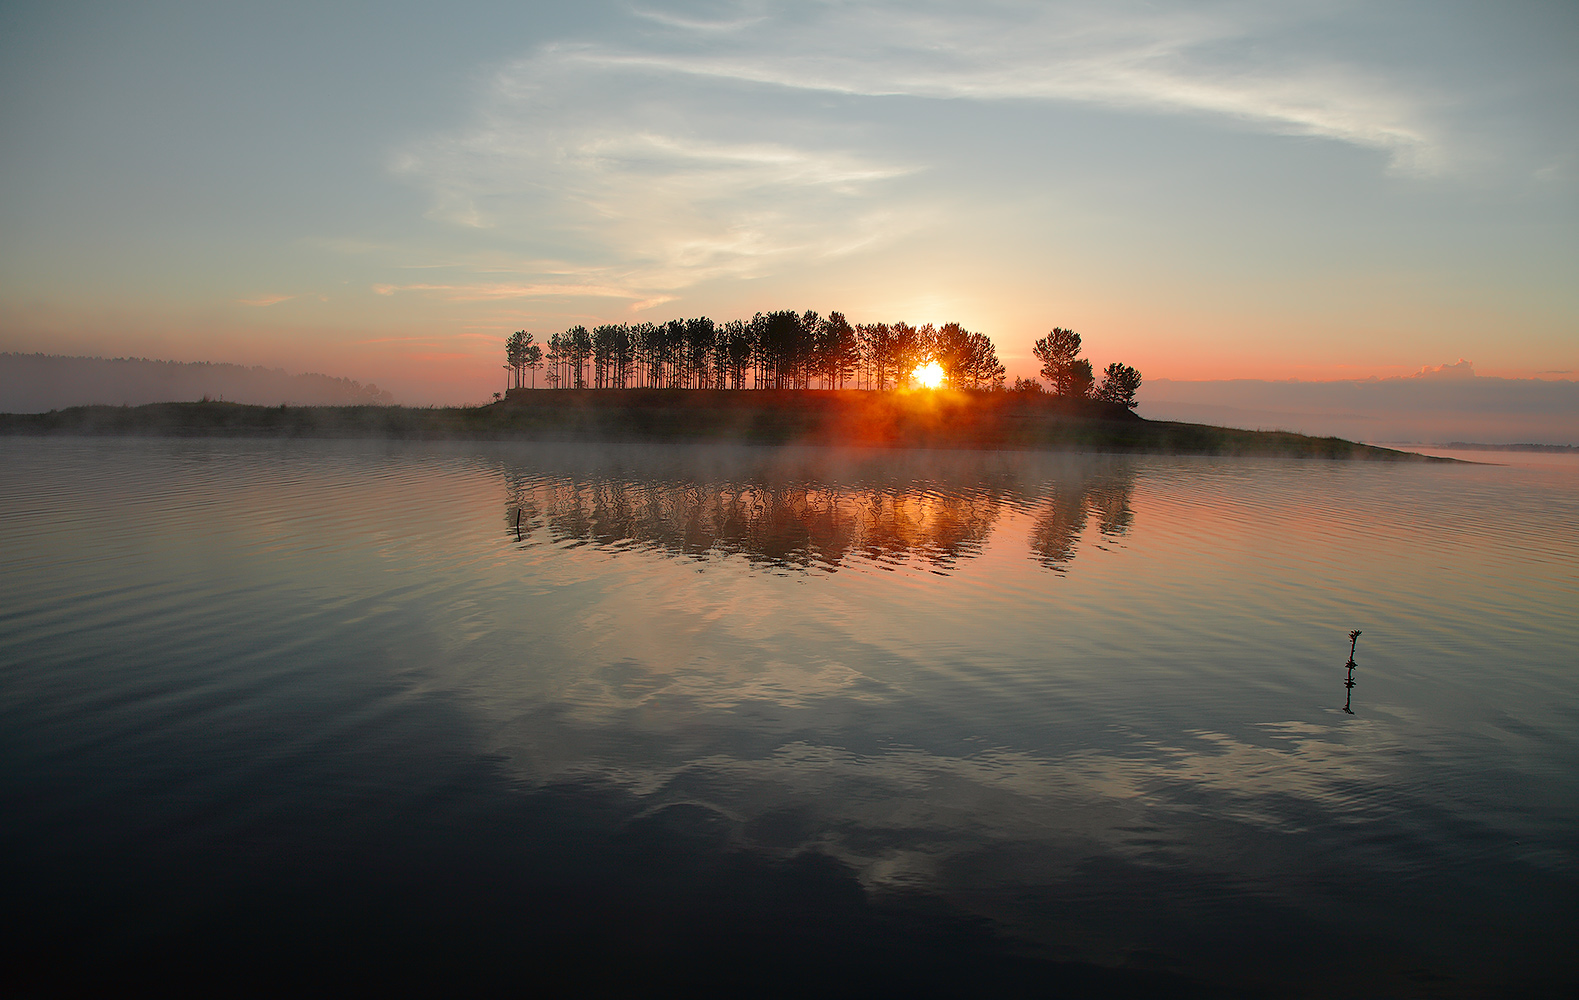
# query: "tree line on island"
{"points": [[790, 350]]}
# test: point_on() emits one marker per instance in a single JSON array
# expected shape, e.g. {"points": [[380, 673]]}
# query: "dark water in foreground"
{"points": [[315, 715]]}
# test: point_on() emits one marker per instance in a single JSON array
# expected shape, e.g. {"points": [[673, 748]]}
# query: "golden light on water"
{"points": [[929, 375]]}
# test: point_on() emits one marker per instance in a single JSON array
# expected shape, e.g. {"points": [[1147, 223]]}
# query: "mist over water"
{"points": [[757, 719]]}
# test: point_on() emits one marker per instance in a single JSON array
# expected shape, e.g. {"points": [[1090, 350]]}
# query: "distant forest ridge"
{"points": [[35, 383]]}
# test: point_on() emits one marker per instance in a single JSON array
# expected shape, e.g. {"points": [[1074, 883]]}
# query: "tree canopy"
{"points": [[780, 350], [1071, 376], [786, 349]]}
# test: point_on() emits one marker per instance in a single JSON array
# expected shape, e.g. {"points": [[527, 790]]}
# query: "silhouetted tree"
{"points": [[780, 346], [555, 358], [969, 358], [611, 356], [733, 348], [979, 367], [1119, 385], [949, 345], [877, 344], [602, 356], [671, 343], [700, 334], [809, 358], [646, 343], [533, 360], [624, 355], [843, 349], [1059, 353], [783, 349], [904, 352], [1078, 381], [577, 346], [515, 355], [1056, 351]]}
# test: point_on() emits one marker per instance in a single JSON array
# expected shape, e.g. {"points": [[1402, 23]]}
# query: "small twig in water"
{"points": [[1348, 683]]}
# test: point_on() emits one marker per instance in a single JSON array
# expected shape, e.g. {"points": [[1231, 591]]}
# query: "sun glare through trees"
{"points": [[929, 375], [790, 350]]}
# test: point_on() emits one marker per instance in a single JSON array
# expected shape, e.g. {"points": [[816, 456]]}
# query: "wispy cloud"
{"points": [[650, 186], [700, 148], [488, 293], [748, 14], [672, 205], [1208, 59], [262, 301]]}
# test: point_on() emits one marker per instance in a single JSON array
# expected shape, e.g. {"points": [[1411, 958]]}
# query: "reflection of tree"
{"points": [[1058, 528], [796, 524], [815, 508]]}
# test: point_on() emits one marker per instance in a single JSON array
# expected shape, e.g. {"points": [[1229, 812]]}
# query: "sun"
{"points": [[930, 374]]}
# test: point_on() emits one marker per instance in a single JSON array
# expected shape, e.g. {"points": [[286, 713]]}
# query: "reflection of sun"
{"points": [[929, 374]]}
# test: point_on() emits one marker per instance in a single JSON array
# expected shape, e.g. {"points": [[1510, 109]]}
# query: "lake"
{"points": [[474, 717]]}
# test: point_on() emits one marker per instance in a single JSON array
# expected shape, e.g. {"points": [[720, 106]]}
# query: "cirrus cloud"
{"points": [[745, 142]]}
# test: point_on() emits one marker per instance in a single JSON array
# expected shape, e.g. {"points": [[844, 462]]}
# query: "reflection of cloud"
{"points": [[800, 684], [669, 666], [905, 815]]}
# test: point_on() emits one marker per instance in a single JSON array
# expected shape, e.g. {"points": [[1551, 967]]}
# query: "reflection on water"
{"points": [[791, 526], [777, 517], [1061, 524], [741, 719]]}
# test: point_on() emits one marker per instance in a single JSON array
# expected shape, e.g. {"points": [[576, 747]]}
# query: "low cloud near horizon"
{"points": [[37, 383], [1436, 405]]}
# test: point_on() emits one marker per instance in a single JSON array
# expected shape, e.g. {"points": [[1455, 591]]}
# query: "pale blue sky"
{"points": [[385, 191]]}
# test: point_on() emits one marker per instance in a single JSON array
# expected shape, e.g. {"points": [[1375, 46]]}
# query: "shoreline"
{"points": [[860, 418]]}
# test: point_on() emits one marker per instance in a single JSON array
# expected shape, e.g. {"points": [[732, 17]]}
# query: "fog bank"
{"points": [[1446, 404], [35, 383]]}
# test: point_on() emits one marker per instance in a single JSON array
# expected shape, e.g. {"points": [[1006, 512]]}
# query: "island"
{"points": [[922, 418]]}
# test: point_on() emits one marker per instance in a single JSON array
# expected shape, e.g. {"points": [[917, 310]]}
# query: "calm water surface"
{"points": [[346, 714]]}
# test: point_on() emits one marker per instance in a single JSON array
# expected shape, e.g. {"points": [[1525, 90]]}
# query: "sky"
{"points": [[1312, 190]]}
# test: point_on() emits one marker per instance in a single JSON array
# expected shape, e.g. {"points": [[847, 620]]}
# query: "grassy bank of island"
{"points": [[922, 419]]}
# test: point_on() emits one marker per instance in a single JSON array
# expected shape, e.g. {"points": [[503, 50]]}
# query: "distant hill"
{"points": [[35, 383]]}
